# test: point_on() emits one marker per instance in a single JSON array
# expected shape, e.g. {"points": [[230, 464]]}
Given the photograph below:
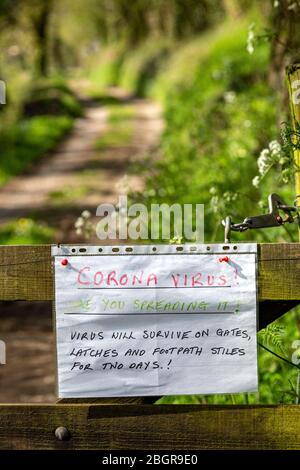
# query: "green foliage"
{"points": [[134, 22], [51, 97], [278, 379], [141, 65], [134, 69], [28, 140], [273, 336], [25, 231], [68, 195], [105, 70], [216, 126], [180, 68], [218, 120], [33, 124]]}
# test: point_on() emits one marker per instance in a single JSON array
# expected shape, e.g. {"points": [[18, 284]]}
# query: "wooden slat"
{"points": [[176, 427], [279, 271], [25, 272]]}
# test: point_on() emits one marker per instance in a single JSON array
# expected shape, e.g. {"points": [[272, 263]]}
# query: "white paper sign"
{"points": [[155, 321]]}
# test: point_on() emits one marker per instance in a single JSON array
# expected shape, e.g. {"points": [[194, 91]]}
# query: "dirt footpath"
{"points": [[29, 375]]}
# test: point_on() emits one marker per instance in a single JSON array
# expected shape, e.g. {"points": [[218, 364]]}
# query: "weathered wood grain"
{"points": [[279, 271], [150, 427], [25, 272]]}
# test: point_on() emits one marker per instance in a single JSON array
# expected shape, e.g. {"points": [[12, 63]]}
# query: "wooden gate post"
{"points": [[293, 80]]}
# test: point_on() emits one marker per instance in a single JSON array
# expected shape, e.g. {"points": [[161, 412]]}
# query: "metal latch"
{"points": [[272, 219]]}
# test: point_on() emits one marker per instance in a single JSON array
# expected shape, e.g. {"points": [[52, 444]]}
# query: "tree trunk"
{"points": [[41, 27]]}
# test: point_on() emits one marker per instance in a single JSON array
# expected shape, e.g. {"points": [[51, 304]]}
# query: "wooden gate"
{"points": [[136, 423]]}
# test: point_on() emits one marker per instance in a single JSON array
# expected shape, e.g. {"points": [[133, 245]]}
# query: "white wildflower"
{"points": [[250, 39], [276, 3], [293, 6], [250, 48], [283, 160], [214, 202], [86, 214], [79, 222], [285, 175], [264, 161], [275, 148], [268, 157], [229, 97], [83, 226], [256, 181]]}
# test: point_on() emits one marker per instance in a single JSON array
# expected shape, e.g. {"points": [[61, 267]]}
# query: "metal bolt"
{"points": [[62, 434]]}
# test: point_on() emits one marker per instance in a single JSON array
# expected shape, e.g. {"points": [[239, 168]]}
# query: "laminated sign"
{"points": [[155, 320]]}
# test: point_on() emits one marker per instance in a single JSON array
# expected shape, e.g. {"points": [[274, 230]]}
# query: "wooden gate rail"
{"points": [[26, 274], [149, 427]]}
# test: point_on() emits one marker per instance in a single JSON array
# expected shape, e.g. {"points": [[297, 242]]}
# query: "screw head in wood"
{"points": [[62, 433]]}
